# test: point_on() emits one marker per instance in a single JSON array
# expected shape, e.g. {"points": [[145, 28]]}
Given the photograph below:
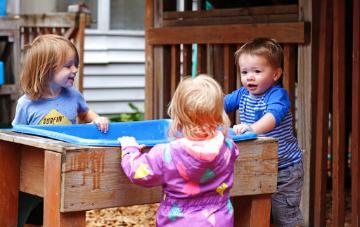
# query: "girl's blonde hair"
{"points": [[197, 108], [44, 56]]}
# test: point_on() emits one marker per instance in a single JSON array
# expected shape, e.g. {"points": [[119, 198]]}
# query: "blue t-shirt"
{"points": [[275, 101], [59, 110]]}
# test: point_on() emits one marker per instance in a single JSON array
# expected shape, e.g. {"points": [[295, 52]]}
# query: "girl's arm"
{"points": [[144, 169], [91, 117]]}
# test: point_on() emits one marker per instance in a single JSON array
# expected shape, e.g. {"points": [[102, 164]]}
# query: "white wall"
{"points": [[114, 71]]}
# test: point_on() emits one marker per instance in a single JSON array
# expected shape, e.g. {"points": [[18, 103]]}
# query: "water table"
{"points": [[75, 177]]}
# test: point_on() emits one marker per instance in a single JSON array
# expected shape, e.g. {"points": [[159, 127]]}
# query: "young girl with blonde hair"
{"points": [[196, 169], [49, 69]]}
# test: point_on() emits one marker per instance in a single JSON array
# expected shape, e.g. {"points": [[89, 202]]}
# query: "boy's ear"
{"points": [[278, 73]]}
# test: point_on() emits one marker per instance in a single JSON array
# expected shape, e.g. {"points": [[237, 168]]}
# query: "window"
{"points": [[127, 15]]}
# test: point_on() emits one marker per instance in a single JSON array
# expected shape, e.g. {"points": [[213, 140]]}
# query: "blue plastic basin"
{"points": [[149, 133]]}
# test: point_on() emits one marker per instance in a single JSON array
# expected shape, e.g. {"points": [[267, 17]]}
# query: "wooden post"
{"points": [[338, 116], [10, 181], [252, 211], [355, 122], [289, 73], [322, 113], [52, 195], [149, 64]]}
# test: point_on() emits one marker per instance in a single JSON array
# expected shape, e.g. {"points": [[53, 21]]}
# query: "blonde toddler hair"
{"points": [[197, 108], [44, 56]]}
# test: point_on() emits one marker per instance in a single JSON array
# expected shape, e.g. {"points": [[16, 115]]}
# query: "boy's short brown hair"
{"points": [[265, 47]]}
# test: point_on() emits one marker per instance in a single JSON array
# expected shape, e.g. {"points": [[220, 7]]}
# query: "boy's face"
{"points": [[257, 75], [65, 76]]}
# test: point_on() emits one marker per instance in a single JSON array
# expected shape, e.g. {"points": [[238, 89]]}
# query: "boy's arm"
{"points": [[232, 100], [278, 105]]}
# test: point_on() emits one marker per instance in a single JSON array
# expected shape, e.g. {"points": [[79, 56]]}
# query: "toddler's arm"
{"points": [[265, 124], [144, 169], [91, 117]]}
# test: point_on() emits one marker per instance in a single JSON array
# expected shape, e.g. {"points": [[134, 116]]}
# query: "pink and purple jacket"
{"points": [[196, 177]]}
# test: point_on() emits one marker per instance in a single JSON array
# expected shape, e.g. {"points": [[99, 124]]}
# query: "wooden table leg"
{"points": [[9, 183], [52, 196], [252, 211]]}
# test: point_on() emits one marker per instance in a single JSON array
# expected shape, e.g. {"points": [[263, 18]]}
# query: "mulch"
{"points": [[142, 216]]}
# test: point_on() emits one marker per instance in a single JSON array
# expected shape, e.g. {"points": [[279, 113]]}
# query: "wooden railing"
{"points": [[170, 36]]}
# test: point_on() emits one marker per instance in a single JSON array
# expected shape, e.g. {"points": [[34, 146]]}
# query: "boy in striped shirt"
{"points": [[264, 108]]}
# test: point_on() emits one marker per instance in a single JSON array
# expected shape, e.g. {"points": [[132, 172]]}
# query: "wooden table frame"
{"points": [[73, 179]]}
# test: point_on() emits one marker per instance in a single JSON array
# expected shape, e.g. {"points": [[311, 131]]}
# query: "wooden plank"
{"points": [[232, 20], [49, 20], [322, 114], [149, 56], [187, 59], [52, 195], [80, 39], [93, 179], [201, 59], [36, 141], [32, 170], [230, 74], [307, 59], [246, 11], [289, 73], [252, 210], [293, 32], [175, 68], [9, 186], [338, 116], [355, 122]]}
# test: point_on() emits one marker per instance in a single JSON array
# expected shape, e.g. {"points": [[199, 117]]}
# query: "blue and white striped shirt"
{"points": [[275, 101]]}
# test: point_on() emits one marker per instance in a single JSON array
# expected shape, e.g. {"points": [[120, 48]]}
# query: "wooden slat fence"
{"points": [[336, 115], [169, 47]]}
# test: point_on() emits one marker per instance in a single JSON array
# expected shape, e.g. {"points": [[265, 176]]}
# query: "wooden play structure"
{"points": [[18, 31], [73, 179], [321, 73]]}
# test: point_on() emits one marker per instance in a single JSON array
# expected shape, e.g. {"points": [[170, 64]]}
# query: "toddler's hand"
{"points": [[128, 141], [241, 128], [102, 123]]}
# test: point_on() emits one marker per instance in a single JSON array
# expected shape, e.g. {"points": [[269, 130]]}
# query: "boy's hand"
{"points": [[242, 128], [102, 123]]}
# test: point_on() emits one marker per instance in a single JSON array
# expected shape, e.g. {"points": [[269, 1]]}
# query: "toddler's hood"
{"points": [[194, 159]]}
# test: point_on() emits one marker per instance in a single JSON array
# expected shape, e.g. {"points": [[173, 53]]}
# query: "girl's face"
{"points": [[257, 75], [65, 76]]}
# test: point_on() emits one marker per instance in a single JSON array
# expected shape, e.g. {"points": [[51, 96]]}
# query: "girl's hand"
{"points": [[128, 141], [102, 123], [242, 128]]}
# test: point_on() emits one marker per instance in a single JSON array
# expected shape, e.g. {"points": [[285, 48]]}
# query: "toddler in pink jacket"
{"points": [[195, 170]]}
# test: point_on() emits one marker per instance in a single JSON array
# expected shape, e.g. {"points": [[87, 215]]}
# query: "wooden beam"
{"points": [[52, 195], [338, 116], [246, 11], [10, 180], [355, 122], [175, 68], [289, 74], [322, 113], [219, 34], [278, 18], [149, 64]]}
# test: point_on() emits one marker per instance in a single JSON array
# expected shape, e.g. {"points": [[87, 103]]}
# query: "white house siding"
{"points": [[114, 71]]}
